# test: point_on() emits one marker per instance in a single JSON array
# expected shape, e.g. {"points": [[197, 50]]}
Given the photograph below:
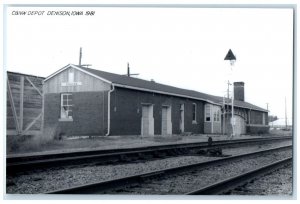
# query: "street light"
{"points": [[230, 56]]}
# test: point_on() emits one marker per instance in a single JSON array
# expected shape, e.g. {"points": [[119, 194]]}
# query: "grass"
{"points": [[281, 132], [31, 143]]}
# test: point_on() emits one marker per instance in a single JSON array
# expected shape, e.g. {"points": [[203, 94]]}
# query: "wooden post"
{"points": [[43, 108], [42, 113], [32, 123], [21, 103], [13, 107], [32, 84]]}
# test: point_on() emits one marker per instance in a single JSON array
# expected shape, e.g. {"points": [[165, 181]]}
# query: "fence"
{"points": [[24, 104]]}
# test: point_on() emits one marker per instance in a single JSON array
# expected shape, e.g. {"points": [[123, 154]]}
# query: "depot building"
{"points": [[84, 101]]}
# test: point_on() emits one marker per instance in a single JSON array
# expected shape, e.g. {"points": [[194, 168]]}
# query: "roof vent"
{"points": [[152, 80]]}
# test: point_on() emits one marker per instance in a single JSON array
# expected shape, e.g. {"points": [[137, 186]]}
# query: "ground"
{"points": [[35, 145]]}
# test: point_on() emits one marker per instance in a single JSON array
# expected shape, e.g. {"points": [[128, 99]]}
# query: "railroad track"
{"points": [[15, 164], [138, 183], [239, 180]]}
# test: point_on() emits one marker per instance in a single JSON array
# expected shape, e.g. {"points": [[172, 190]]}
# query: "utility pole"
{"points": [[285, 114], [227, 104], [80, 56], [224, 112], [230, 56], [128, 69]]}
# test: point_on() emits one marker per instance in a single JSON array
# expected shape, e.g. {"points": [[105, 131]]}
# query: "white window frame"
{"points": [[64, 114], [216, 114], [194, 111], [207, 112]]}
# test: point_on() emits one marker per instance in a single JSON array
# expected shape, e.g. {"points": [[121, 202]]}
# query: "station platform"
{"points": [[75, 144]]}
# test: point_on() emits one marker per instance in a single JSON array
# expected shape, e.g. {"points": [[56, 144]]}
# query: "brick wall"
{"points": [[126, 112], [257, 125], [89, 114], [257, 129], [256, 117]]}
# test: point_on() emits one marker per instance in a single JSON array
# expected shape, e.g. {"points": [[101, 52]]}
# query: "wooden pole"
{"points": [[21, 103], [285, 114]]}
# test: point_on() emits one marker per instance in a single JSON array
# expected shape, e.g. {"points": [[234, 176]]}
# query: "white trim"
{"points": [[205, 113], [79, 69], [67, 118], [166, 93]]}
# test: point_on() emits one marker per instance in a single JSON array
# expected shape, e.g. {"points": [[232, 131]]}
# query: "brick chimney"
{"points": [[239, 91]]}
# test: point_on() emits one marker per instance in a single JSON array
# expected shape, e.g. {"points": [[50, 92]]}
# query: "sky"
{"points": [[182, 47]]}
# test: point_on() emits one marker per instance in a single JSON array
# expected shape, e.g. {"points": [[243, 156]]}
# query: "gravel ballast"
{"points": [[278, 182], [189, 181], [54, 179]]}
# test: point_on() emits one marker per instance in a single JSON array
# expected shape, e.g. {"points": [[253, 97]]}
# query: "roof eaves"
{"points": [[162, 92], [89, 73], [78, 68], [57, 72], [261, 110]]}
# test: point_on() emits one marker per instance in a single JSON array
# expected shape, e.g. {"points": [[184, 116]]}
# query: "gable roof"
{"points": [[144, 85]]}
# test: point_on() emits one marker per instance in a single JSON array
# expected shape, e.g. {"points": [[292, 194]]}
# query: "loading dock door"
{"points": [[147, 120], [166, 124]]}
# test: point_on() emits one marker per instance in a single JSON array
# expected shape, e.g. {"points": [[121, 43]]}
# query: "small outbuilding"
{"points": [[84, 101]]}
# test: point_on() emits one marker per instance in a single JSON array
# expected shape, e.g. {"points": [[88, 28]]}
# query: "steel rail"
{"points": [[19, 164], [22, 164], [37, 157], [241, 179], [17, 158], [100, 187]]}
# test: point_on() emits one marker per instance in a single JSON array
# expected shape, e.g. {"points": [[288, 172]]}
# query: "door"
{"points": [[181, 122], [166, 126], [240, 125], [147, 120]]}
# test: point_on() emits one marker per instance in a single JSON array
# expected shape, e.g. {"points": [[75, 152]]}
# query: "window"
{"points": [[212, 113], [194, 112], [207, 113], [216, 114], [66, 107]]}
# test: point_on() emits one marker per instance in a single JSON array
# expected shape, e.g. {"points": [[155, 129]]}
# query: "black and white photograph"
{"points": [[181, 100]]}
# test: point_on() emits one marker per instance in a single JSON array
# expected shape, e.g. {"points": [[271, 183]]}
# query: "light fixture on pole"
{"points": [[230, 56]]}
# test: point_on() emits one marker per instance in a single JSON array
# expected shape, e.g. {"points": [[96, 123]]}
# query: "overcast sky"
{"points": [[182, 47]]}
